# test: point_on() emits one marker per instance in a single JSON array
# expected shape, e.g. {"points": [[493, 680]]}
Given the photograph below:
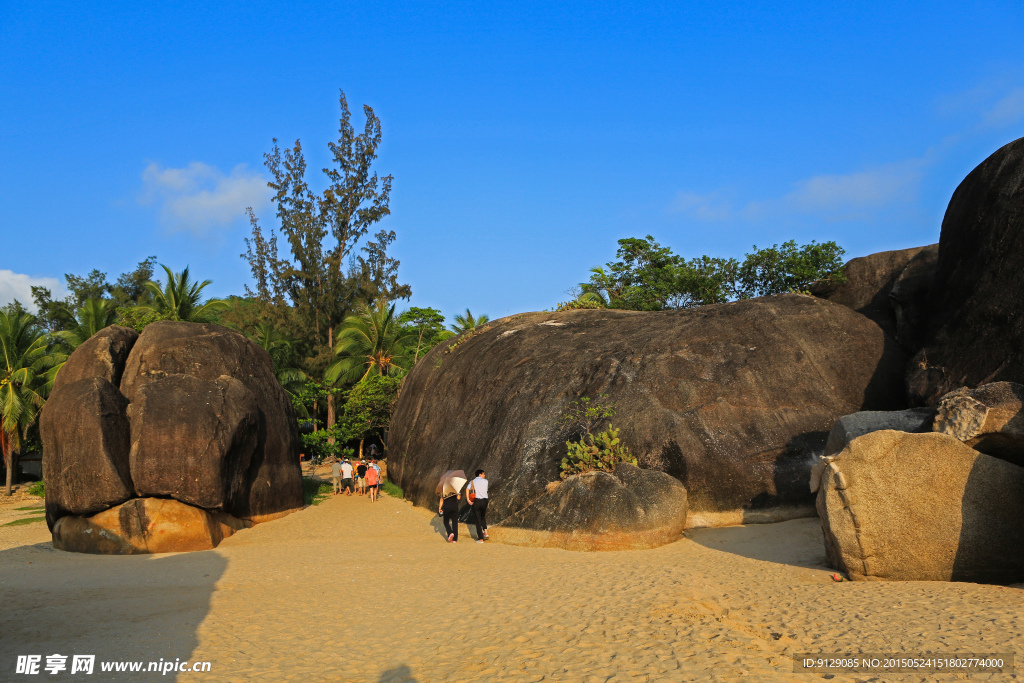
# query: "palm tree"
{"points": [[277, 343], [179, 299], [371, 341], [27, 368], [468, 322], [93, 316]]}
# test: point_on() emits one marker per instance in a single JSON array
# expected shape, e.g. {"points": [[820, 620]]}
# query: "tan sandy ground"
{"points": [[349, 591]]}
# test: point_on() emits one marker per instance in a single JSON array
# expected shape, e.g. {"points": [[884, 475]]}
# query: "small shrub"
{"points": [[316, 491], [579, 304], [38, 489], [393, 489], [601, 452]]}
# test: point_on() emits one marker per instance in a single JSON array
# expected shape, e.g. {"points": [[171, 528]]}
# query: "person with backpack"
{"points": [[478, 488]]}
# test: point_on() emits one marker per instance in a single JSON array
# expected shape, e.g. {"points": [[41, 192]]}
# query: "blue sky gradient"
{"points": [[525, 138]]}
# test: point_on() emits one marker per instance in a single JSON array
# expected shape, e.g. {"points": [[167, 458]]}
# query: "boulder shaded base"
{"points": [[922, 507], [145, 525], [628, 509]]}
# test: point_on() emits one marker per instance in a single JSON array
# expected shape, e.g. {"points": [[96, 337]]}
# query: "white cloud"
{"points": [[200, 198], [19, 286], [858, 195], [1008, 110]]}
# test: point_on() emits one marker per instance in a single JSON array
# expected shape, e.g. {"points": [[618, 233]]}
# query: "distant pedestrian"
{"points": [[336, 476], [479, 488], [346, 477], [380, 476], [361, 478], [448, 507], [372, 479]]}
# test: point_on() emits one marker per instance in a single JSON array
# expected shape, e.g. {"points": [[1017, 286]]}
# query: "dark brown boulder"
{"points": [[274, 478], [628, 509], [734, 400], [976, 329], [192, 440], [101, 355], [869, 282], [85, 434], [909, 297]]}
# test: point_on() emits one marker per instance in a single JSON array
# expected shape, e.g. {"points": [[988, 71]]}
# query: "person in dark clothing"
{"points": [[361, 478], [449, 508], [479, 488]]}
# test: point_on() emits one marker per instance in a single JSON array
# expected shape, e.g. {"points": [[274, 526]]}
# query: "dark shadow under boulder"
{"points": [[627, 509]]}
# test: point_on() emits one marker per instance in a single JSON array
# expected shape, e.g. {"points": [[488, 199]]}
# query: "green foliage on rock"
{"points": [[650, 277], [599, 451]]}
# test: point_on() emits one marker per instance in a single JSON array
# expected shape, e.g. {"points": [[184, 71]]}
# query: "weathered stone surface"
{"points": [[869, 282], [85, 432], [192, 440], [630, 508], [734, 400], [909, 297], [989, 419], [101, 355], [976, 330], [145, 525], [274, 479], [849, 427], [922, 507]]}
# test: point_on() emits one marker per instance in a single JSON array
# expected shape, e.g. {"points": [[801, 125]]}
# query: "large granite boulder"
{"points": [[922, 507], [849, 427], [198, 417], [210, 428], [630, 508], [734, 400], [909, 297], [145, 525], [101, 355], [976, 330], [869, 284], [207, 352], [989, 419], [85, 435]]}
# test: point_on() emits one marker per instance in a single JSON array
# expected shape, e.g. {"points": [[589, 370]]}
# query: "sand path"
{"points": [[349, 591]]}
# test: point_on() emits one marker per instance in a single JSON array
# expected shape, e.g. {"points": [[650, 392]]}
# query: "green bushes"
{"points": [[393, 489], [599, 451], [38, 488], [316, 491]]}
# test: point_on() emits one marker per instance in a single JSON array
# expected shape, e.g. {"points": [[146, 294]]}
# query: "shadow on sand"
{"points": [[399, 674], [797, 542], [139, 608]]}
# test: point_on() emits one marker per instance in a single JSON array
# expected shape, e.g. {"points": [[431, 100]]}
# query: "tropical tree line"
{"points": [[650, 277], [323, 306]]}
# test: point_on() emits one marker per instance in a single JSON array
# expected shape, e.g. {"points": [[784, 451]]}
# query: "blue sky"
{"points": [[524, 138]]}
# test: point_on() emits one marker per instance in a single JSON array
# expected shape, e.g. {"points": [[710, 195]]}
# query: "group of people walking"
{"points": [[364, 478], [476, 495]]}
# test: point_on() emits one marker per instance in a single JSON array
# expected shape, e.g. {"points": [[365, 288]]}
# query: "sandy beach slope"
{"points": [[349, 591]]}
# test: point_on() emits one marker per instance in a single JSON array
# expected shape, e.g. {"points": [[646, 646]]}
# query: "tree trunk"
{"points": [[12, 463], [316, 414], [330, 397], [361, 448]]}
